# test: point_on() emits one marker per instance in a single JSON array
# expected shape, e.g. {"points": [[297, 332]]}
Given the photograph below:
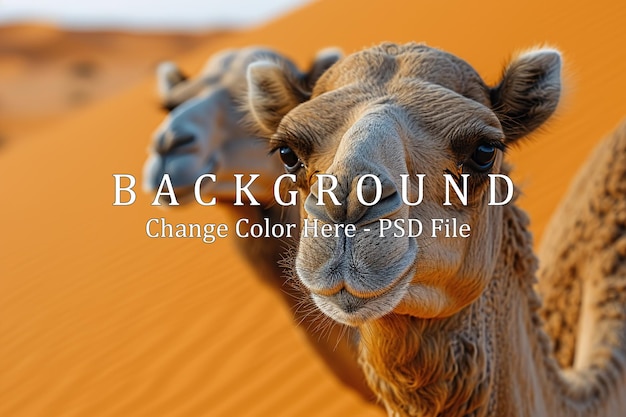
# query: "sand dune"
{"points": [[46, 73], [98, 320]]}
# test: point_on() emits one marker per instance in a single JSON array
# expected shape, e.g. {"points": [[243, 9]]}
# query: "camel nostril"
{"points": [[170, 141], [386, 207], [369, 189], [374, 198], [182, 140], [363, 202]]}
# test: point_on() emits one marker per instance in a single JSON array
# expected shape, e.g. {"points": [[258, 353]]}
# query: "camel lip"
{"points": [[360, 311], [336, 273], [348, 308]]}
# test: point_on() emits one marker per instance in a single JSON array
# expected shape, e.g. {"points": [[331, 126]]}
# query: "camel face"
{"points": [[392, 111], [206, 130], [204, 133]]}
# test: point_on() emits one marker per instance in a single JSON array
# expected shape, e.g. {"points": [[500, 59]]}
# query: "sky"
{"points": [[146, 14]]}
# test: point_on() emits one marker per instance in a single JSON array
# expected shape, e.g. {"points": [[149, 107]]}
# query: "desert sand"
{"points": [[46, 72], [97, 320]]}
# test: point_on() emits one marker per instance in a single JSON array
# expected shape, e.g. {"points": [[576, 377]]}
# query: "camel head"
{"points": [[205, 129], [390, 111]]}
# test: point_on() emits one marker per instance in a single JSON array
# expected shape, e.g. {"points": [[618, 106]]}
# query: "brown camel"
{"points": [[451, 325]]}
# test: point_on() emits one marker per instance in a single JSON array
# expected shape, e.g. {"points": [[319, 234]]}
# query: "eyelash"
{"points": [[275, 149], [277, 143]]}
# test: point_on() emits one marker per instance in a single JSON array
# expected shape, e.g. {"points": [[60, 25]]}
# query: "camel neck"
{"points": [[528, 380]]}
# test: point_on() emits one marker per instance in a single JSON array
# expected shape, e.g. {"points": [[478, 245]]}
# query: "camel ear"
{"points": [[528, 93], [323, 60], [168, 76], [273, 90]]}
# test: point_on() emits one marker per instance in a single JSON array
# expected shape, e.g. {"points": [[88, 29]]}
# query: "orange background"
{"points": [[96, 319]]}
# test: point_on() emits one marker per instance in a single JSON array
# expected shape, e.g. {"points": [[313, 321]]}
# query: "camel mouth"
{"points": [[183, 194], [346, 307]]}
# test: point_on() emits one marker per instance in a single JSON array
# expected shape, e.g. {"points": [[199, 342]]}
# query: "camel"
{"points": [[206, 131], [452, 326]]}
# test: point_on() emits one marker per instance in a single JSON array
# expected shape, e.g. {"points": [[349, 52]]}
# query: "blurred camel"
{"points": [[206, 132]]}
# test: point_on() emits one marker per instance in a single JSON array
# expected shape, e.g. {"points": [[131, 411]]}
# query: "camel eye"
{"points": [[483, 157], [290, 159]]}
